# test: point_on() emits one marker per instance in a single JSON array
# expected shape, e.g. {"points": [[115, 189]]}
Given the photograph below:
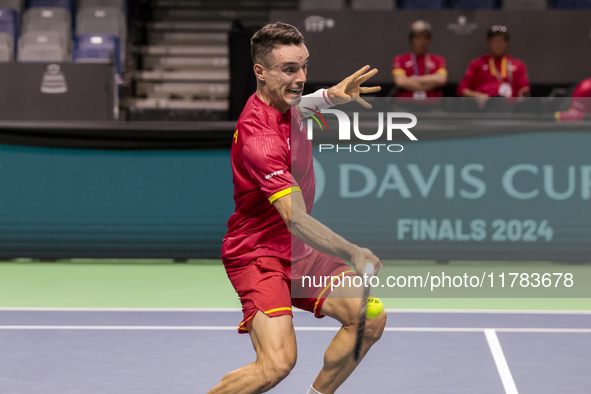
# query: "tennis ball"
{"points": [[374, 308]]}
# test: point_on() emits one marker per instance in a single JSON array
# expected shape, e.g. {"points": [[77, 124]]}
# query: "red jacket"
{"points": [[481, 77]]}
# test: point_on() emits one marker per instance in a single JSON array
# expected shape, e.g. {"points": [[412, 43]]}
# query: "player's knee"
{"points": [[374, 328], [277, 367]]}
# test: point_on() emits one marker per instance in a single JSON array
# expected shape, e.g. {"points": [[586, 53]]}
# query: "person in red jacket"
{"points": [[419, 75], [496, 73], [579, 105]]}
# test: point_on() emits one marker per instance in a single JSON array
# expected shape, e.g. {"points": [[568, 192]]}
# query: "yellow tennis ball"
{"points": [[374, 308]]}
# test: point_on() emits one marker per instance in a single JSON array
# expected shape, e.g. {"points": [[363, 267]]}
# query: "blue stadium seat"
{"points": [[423, 4], [97, 48], [9, 24], [475, 4], [572, 4]]}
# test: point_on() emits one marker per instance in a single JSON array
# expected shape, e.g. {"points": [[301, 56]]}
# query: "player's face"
{"points": [[286, 75], [420, 43], [498, 45]]}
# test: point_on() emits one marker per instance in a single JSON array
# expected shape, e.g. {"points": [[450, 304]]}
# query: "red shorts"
{"points": [[268, 284]]}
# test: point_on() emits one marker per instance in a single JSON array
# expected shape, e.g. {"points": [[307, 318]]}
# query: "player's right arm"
{"points": [[292, 209]]}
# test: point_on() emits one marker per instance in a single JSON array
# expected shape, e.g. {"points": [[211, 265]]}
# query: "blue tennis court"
{"points": [[56, 351]]}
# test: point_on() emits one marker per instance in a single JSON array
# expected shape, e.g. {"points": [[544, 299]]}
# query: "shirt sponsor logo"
{"points": [[273, 174]]}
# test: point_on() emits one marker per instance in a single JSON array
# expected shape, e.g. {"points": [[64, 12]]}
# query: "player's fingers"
{"points": [[359, 80], [379, 266], [358, 73], [372, 89], [363, 102]]}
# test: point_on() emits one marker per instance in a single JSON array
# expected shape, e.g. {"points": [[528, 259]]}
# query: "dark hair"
{"points": [[497, 30], [271, 36]]}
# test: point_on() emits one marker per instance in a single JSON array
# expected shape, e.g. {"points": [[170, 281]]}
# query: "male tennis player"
{"points": [[580, 103], [274, 192]]}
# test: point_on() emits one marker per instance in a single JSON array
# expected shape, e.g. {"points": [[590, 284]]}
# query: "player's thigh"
{"points": [[274, 341], [343, 304]]}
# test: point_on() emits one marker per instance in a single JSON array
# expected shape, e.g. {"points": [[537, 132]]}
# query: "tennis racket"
{"points": [[368, 270]]}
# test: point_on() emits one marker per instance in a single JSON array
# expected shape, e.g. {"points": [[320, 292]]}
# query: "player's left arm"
{"points": [[292, 209]]}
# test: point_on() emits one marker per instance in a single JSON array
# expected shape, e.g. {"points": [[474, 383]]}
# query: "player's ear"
{"points": [[259, 72]]}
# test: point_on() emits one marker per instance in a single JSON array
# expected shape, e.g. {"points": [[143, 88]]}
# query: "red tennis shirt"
{"points": [[482, 77], [581, 96], [424, 65], [268, 162], [581, 102]]}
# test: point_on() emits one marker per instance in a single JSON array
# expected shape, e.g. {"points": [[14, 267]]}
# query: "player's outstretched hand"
{"points": [[350, 88], [363, 256]]}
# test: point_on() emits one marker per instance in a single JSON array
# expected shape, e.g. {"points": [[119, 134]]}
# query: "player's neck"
{"points": [[419, 53], [498, 57], [265, 97]]}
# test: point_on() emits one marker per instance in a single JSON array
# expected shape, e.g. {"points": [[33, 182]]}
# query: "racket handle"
{"points": [[369, 269]]}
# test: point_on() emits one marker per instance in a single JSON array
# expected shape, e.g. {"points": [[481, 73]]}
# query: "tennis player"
{"points": [[274, 192], [580, 103]]}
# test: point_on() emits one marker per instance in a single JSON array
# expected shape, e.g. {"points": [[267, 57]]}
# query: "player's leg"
{"points": [[274, 341], [338, 358]]}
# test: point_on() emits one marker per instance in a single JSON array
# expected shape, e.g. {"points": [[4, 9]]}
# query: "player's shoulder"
{"points": [[402, 57], [516, 61], [437, 58], [583, 89], [255, 121], [480, 60]]}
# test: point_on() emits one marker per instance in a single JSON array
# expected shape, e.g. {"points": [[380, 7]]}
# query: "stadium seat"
{"points": [[103, 20], [525, 4], [17, 5], [423, 4], [66, 4], [43, 20], [381, 5], [9, 25], [474, 4], [572, 4], [6, 48], [322, 5], [82, 4], [90, 48], [42, 47]]}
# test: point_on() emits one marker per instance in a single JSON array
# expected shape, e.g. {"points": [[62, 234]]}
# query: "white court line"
{"points": [[58, 309], [500, 361], [233, 328], [442, 311]]}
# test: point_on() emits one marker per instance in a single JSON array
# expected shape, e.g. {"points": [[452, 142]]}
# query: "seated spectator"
{"points": [[495, 73], [419, 74], [579, 105]]}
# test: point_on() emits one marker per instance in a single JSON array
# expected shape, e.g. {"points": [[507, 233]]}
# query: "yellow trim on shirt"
{"points": [[284, 192], [349, 272], [285, 308], [398, 71], [441, 71]]}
